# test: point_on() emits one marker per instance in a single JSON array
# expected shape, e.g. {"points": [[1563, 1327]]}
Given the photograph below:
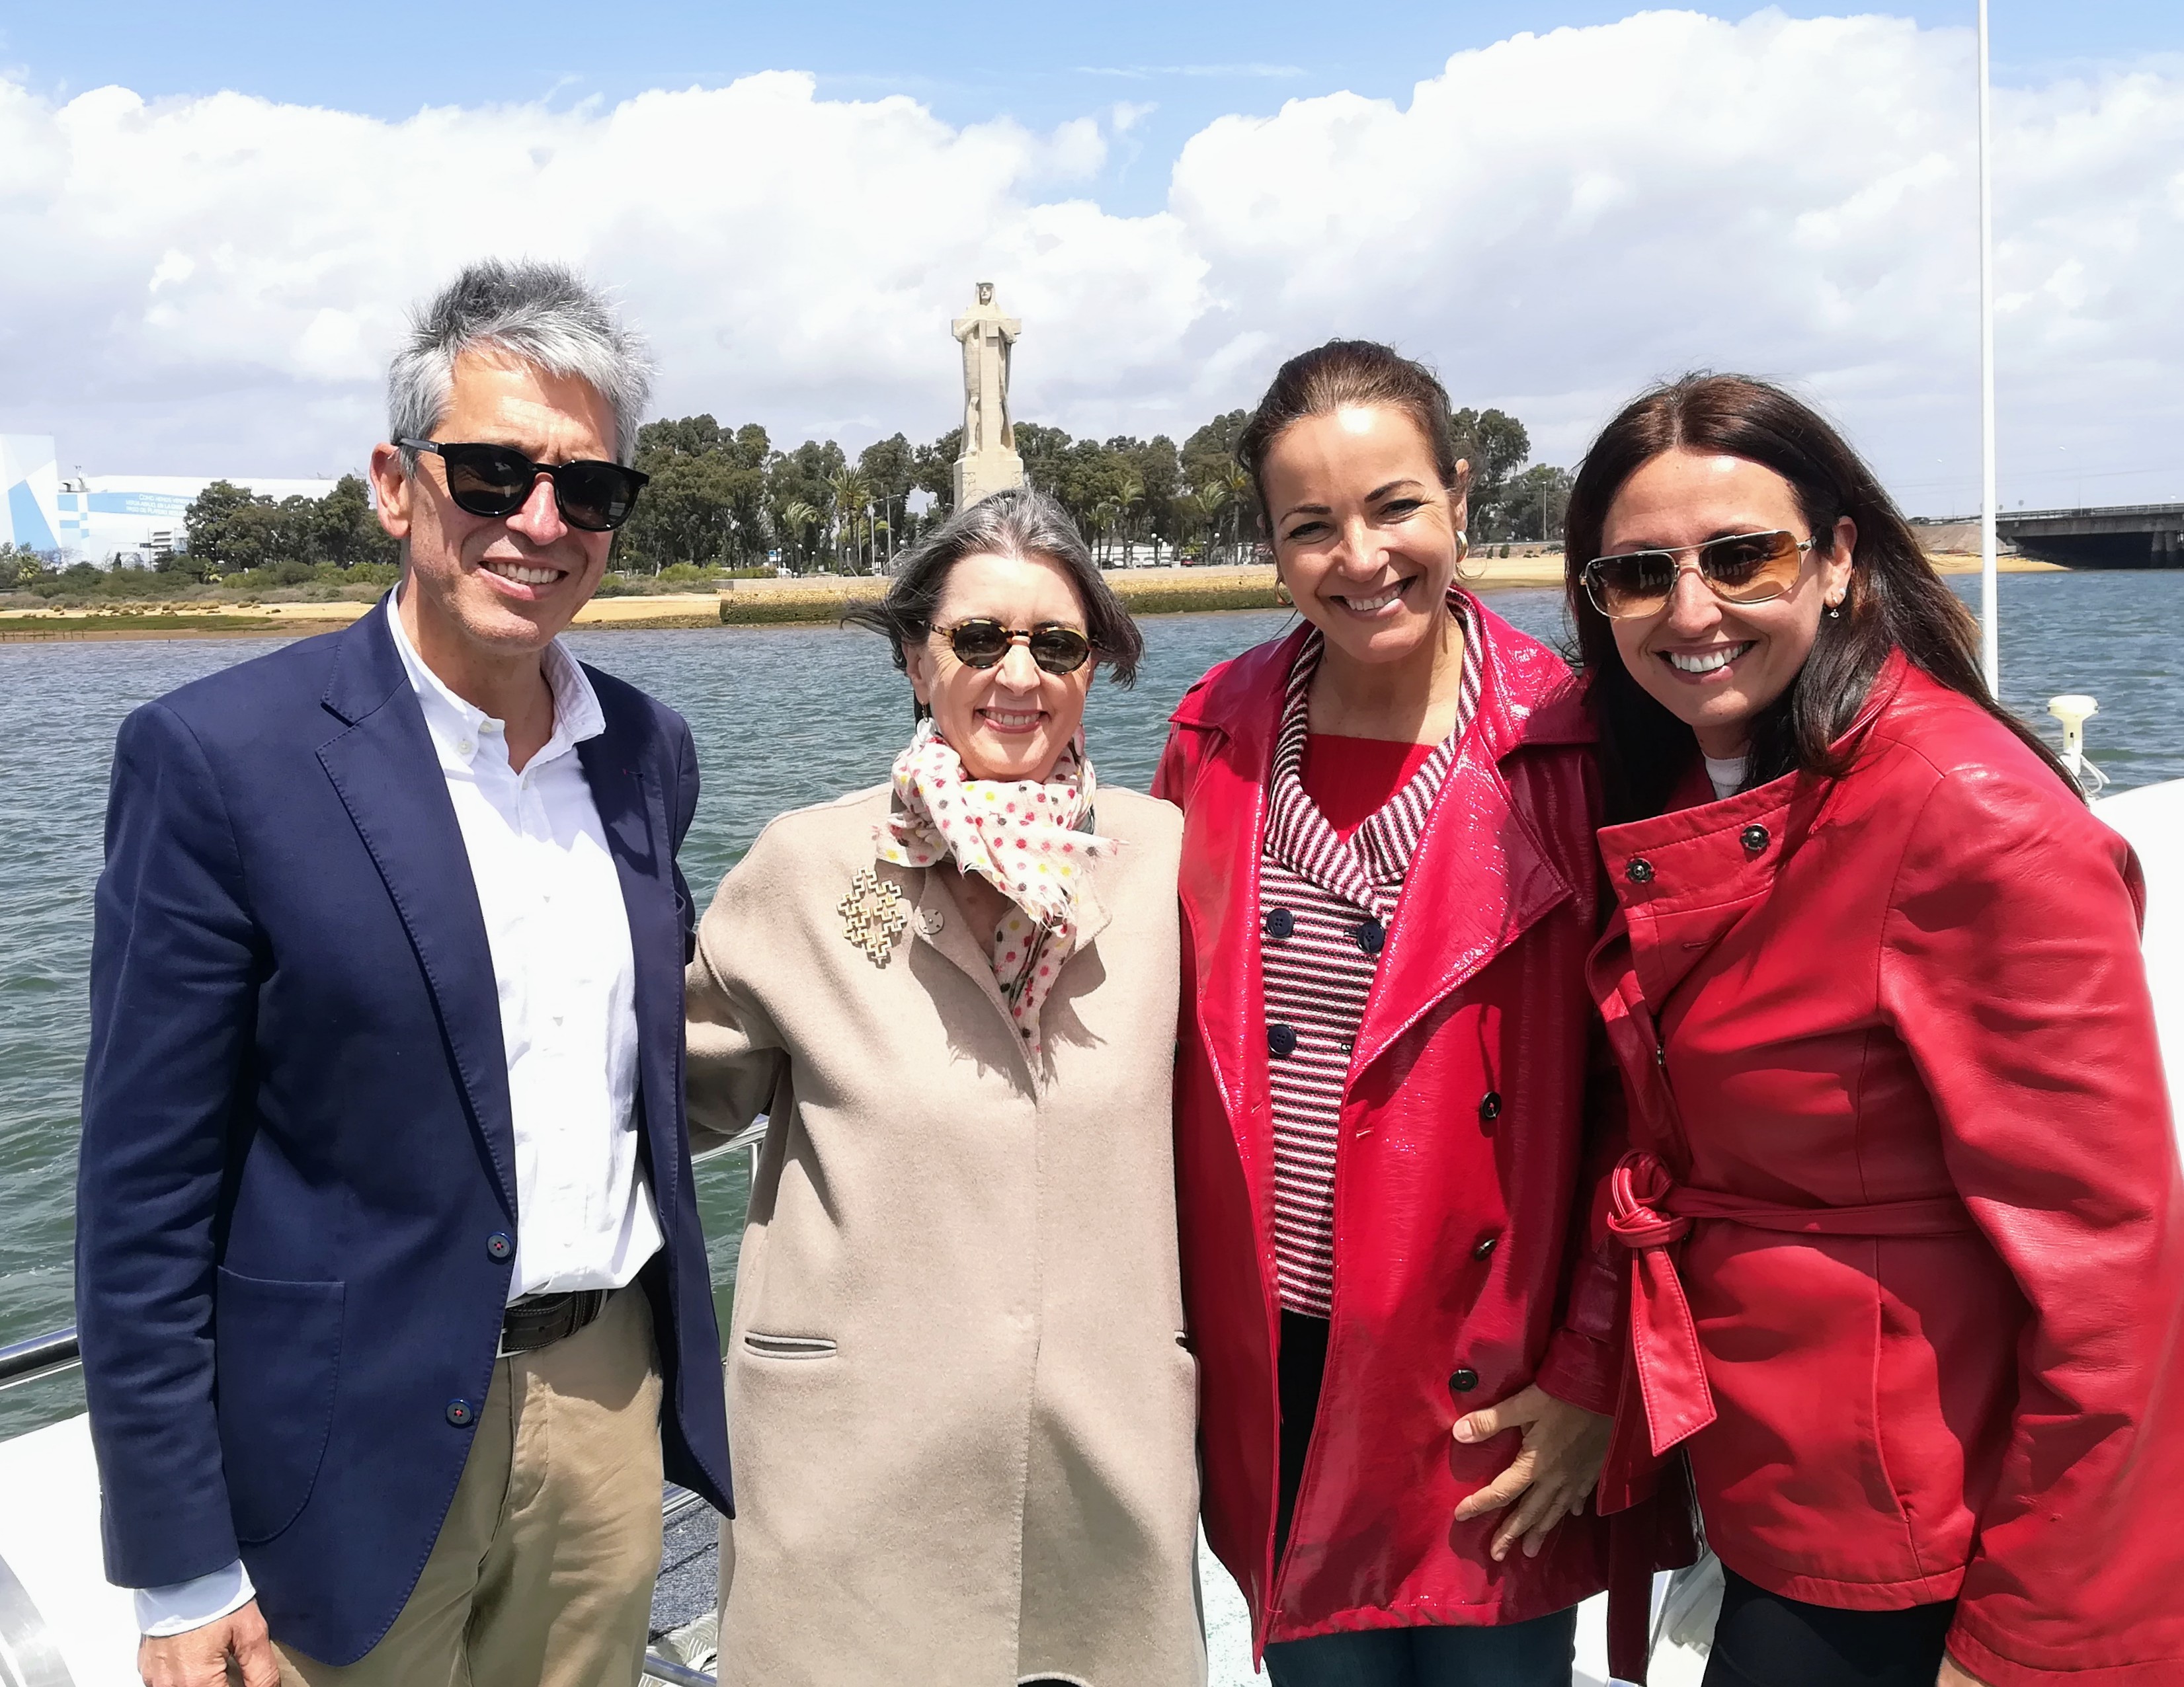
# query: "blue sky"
{"points": [[1555, 204], [1042, 64]]}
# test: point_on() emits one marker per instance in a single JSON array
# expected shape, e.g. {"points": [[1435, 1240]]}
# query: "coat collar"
{"points": [[1527, 695], [1480, 879], [1683, 879]]}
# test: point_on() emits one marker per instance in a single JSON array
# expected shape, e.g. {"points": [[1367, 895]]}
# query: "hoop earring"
{"points": [[1463, 549]]}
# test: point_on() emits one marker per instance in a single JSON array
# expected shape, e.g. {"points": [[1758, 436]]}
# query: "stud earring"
{"points": [[1834, 609]]}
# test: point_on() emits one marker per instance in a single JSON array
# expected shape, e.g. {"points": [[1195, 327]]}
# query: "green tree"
{"points": [[1535, 502], [19, 566], [852, 496], [802, 476], [932, 468], [889, 467], [1212, 450], [1496, 445], [342, 529]]}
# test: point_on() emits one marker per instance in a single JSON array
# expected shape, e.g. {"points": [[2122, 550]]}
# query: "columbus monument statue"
{"points": [[989, 463]]}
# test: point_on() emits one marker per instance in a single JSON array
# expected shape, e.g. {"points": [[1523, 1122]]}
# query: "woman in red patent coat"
{"points": [[1388, 892], [1903, 1205]]}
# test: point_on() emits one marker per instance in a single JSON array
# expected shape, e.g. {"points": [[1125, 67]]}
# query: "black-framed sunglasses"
{"points": [[981, 643], [1741, 568], [496, 480]]}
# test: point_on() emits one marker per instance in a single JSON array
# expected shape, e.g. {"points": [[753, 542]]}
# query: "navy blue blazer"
{"points": [[297, 1144]]}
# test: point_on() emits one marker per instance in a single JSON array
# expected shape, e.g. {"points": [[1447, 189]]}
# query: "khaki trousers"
{"points": [[542, 1575]]}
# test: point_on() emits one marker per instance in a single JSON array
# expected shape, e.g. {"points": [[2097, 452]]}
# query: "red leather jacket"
{"points": [[1457, 1178], [1902, 1200]]}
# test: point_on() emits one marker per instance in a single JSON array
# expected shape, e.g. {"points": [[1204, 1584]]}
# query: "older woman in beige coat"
{"points": [[961, 1395]]}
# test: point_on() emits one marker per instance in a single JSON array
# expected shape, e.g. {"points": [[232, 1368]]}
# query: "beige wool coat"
{"points": [[962, 1404]]}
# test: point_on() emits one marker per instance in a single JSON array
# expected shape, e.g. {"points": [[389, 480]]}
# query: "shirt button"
{"points": [[1754, 839], [1281, 1041], [460, 1413], [1640, 871], [1280, 923], [1490, 1107], [1372, 937], [1484, 1246], [498, 1245], [467, 747], [1464, 1381]]}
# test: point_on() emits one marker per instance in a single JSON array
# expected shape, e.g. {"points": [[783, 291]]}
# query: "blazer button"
{"points": [[498, 1246], [1280, 923], [1281, 1041], [1372, 937], [1754, 839], [1484, 1245], [460, 1413], [1640, 871], [1490, 1107], [1464, 1381]]}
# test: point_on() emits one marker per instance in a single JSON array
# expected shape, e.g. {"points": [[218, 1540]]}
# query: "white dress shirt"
{"points": [[567, 982]]}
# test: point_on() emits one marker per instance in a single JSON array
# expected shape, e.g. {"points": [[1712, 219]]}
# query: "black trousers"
{"points": [[1766, 1640], [1303, 1361]]}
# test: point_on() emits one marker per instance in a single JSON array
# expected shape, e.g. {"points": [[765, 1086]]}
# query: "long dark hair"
{"points": [[1896, 600]]}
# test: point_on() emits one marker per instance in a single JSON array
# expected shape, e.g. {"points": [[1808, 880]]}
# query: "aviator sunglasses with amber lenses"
{"points": [[494, 480], [982, 642], [1742, 569]]}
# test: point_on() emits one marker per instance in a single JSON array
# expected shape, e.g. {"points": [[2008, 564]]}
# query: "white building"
{"points": [[130, 519], [30, 488], [138, 518]]}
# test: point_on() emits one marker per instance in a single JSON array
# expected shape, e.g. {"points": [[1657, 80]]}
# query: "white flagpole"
{"points": [[1990, 639]]}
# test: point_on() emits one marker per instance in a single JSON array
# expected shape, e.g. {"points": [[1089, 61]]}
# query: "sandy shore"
{"points": [[759, 603]]}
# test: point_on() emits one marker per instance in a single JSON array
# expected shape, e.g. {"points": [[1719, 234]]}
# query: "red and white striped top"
{"points": [[1325, 905]]}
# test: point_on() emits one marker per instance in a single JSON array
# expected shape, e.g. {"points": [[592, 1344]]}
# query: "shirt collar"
{"points": [[456, 724]]}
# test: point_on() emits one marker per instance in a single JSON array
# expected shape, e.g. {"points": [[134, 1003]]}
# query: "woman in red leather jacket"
{"points": [[1902, 1207], [1388, 892]]}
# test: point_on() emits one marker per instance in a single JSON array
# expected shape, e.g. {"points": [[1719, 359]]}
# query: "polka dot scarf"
{"points": [[1020, 836]]}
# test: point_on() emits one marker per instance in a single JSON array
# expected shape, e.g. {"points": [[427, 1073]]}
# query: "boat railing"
{"points": [[57, 1352]]}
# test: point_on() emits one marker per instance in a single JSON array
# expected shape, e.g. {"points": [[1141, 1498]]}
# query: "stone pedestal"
{"points": [[982, 474]]}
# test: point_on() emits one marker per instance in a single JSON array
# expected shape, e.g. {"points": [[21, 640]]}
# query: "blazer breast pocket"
{"points": [[277, 1349]]}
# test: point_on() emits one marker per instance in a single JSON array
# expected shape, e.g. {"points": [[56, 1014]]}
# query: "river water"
{"points": [[783, 716]]}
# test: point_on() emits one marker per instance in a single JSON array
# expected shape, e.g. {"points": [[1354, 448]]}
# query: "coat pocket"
{"points": [[277, 1350], [787, 1346]]}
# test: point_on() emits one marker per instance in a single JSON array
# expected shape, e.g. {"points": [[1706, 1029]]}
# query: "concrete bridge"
{"points": [[2123, 536]]}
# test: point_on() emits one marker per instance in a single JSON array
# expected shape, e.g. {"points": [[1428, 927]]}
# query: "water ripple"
{"points": [[783, 716]]}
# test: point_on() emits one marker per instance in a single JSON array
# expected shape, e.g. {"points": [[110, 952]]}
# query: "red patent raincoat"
{"points": [[1903, 1200], [1460, 1181]]}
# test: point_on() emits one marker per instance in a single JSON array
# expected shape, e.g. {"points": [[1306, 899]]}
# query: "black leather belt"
{"points": [[539, 1321]]}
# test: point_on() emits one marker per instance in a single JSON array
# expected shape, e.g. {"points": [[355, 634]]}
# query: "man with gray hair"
{"points": [[393, 1302]]}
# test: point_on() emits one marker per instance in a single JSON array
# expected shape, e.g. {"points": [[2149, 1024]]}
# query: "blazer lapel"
{"points": [[632, 809], [387, 775]]}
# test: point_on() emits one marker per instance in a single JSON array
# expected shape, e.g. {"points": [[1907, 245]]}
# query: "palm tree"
{"points": [[1130, 496], [796, 518], [1105, 515], [1242, 495], [853, 501]]}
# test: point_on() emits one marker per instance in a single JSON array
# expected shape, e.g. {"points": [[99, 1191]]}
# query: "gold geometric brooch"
{"points": [[873, 915]]}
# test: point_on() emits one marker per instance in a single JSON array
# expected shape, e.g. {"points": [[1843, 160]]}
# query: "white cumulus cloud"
{"points": [[214, 283]]}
